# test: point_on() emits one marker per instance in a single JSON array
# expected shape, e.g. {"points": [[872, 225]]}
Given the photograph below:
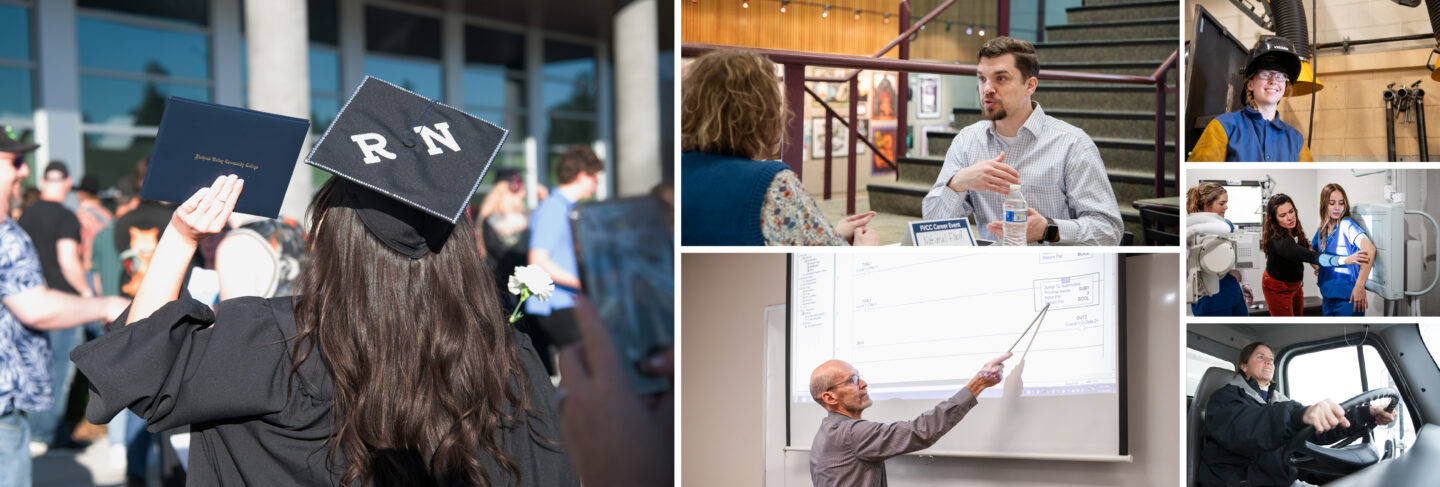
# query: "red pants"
{"points": [[1283, 298]]}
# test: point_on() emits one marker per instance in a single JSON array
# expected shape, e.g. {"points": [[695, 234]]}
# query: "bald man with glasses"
{"points": [[851, 451]]}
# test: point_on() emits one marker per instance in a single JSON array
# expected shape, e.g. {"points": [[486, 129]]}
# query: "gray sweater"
{"points": [[852, 452]]}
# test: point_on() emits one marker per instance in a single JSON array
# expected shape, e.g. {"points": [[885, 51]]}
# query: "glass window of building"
{"points": [[326, 94], [570, 93], [133, 55], [495, 89], [404, 49], [192, 11], [17, 67]]}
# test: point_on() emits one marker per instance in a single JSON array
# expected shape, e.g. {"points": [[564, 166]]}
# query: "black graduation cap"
{"points": [[413, 162]]}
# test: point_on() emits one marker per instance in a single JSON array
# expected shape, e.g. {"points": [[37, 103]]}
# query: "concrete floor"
{"points": [[91, 466]]}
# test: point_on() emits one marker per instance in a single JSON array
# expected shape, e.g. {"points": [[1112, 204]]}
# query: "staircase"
{"points": [[1104, 36]]}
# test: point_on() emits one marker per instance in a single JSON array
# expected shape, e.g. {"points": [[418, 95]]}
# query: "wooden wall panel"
{"points": [[803, 29]]}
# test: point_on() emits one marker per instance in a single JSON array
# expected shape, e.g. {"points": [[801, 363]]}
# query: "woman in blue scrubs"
{"points": [[1342, 287], [1206, 204]]}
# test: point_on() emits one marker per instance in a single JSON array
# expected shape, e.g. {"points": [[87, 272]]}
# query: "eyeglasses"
{"points": [[1275, 76], [854, 379]]}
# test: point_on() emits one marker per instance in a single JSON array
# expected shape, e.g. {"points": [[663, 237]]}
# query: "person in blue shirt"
{"points": [[1208, 199], [552, 247], [1253, 133], [1342, 287]]}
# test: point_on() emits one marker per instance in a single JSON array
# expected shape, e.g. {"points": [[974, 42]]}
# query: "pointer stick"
{"points": [[994, 375], [1032, 325]]}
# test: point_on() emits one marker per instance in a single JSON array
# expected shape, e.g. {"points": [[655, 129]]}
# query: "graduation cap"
{"points": [[410, 164]]}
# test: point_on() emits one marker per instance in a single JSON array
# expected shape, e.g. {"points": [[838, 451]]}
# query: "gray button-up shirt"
{"points": [[1061, 176], [853, 451]]}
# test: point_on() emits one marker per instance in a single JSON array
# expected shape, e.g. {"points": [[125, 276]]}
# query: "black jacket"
{"points": [[1245, 436]]}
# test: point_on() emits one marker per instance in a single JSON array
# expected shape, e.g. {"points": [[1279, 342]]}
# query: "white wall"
{"points": [[723, 297]]}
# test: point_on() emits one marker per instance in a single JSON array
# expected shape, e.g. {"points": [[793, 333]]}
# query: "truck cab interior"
{"points": [[1355, 365]]}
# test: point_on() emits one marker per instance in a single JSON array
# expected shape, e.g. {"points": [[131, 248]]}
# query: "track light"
{"points": [[969, 30], [947, 26], [982, 32], [887, 18], [783, 3], [857, 14], [745, 4], [825, 13]]}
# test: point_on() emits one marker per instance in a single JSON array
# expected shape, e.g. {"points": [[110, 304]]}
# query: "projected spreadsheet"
{"points": [[920, 326]]}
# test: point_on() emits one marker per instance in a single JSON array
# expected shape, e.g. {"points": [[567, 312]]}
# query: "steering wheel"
{"points": [[1339, 460]]}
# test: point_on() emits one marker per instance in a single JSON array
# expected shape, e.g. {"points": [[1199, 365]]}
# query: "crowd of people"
{"points": [[314, 353]]}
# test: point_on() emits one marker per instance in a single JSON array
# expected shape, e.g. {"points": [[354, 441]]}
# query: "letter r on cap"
{"points": [[372, 144]]}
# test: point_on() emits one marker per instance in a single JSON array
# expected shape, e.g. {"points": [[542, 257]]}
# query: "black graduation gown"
{"points": [[250, 423]]}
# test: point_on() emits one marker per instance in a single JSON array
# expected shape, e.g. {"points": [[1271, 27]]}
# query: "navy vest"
{"points": [[722, 197]]}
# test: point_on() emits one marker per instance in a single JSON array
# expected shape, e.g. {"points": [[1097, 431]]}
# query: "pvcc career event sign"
{"points": [[953, 232]]}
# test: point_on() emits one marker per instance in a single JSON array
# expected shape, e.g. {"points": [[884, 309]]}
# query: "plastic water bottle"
{"points": [[1016, 214]]}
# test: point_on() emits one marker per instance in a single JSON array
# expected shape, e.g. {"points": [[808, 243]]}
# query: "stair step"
{"points": [[897, 198], [1133, 155], [1110, 96], [1138, 177], [1108, 50], [1129, 68], [939, 141], [1114, 29], [1090, 3], [1095, 123], [919, 170], [1122, 11]]}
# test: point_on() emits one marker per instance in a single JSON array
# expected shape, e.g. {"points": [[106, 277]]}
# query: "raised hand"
{"points": [[208, 210], [987, 175], [865, 236], [846, 226]]}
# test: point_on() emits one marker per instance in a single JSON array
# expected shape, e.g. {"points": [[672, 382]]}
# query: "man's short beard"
{"points": [[997, 113]]}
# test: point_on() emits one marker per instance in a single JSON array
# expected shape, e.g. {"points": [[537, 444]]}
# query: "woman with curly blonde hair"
{"points": [[731, 124], [1206, 204]]}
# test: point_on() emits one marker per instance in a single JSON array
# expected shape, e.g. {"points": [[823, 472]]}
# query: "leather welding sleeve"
{"points": [[1213, 143]]}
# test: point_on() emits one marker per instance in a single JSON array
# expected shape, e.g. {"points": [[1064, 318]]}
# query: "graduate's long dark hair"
{"points": [[422, 361]]}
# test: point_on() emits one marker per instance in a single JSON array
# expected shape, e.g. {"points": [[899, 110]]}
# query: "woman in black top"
{"points": [[1286, 252], [383, 369]]}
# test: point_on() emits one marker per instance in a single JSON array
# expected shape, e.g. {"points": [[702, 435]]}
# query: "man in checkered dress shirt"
{"points": [[1056, 164]]}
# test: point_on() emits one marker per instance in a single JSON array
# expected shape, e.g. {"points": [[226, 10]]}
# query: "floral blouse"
{"points": [[791, 217]]}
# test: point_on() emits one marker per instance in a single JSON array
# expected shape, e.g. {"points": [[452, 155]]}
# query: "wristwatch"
{"points": [[1052, 233]]}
